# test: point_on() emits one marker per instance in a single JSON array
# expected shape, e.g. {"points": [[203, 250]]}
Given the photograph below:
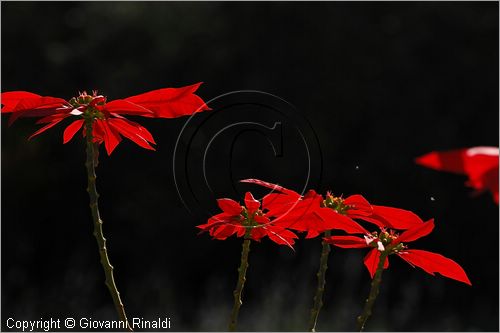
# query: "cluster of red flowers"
{"points": [[246, 221], [107, 118], [284, 211]]}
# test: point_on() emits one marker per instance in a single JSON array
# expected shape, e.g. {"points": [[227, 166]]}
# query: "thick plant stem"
{"points": [[101, 241], [242, 272], [318, 297], [375, 285]]}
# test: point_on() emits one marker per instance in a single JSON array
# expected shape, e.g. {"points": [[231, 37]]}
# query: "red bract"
{"points": [[395, 244], [309, 213], [108, 123], [390, 217], [314, 214], [246, 221], [480, 164]]}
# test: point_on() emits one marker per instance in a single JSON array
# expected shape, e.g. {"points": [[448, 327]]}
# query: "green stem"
{"points": [[101, 241], [318, 297], [242, 272], [375, 285]]}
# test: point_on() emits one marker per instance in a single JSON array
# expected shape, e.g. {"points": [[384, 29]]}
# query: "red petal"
{"points": [[258, 233], [298, 214], [273, 187], [71, 130], [358, 206], [171, 102], [394, 218], [111, 138], [372, 260], [435, 263], [279, 204], [229, 206], [416, 232], [10, 99], [52, 118], [311, 233], [223, 232], [250, 202], [121, 106], [37, 113], [132, 131], [281, 236], [480, 164], [220, 226], [46, 127], [451, 161], [261, 219], [462, 161], [347, 242], [97, 133], [22, 104], [339, 221], [240, 232]]}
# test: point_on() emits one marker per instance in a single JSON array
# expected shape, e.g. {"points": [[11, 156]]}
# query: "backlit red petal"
{"points": [[223, 232], [338, 221], [359, 206], [372, 260], [480, 164], [111, 137], [348, 242], [416, 232], [132, 131], [10, 99], [229, 206], [281, 236], [395, 218], [251, 204], [271, 186], [71, 130], [120, 106], [49, 125], [435, 263], [171, 102]]}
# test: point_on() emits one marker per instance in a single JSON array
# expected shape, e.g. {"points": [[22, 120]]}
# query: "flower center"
{"points": [[249, 218], [88, 105], [336, 203], [384, 241]]}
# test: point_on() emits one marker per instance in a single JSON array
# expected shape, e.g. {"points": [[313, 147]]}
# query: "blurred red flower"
{"points": [[246, 221], [108, 123], [393, 243], [480, 164]]}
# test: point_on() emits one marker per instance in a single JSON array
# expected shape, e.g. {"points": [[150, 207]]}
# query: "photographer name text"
{"points": [[84, 323]]}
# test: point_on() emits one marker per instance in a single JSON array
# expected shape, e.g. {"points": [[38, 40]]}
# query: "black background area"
{"points": [[380, 84]]}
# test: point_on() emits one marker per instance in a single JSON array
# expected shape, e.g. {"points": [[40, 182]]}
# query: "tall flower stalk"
{"points": [[242, 273], [251, 223], [388, 242], [316, 215], [374, 290], [91, 163], [103, 122], [320, 289]]}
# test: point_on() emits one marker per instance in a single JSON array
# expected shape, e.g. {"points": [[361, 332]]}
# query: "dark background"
{"points": [[380, 84]]}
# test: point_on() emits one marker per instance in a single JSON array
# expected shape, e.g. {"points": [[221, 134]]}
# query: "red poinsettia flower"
{"points": [[248, 220], [314, 214], [389, 240], [108, 123], [480, 164], [308, 213]]}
